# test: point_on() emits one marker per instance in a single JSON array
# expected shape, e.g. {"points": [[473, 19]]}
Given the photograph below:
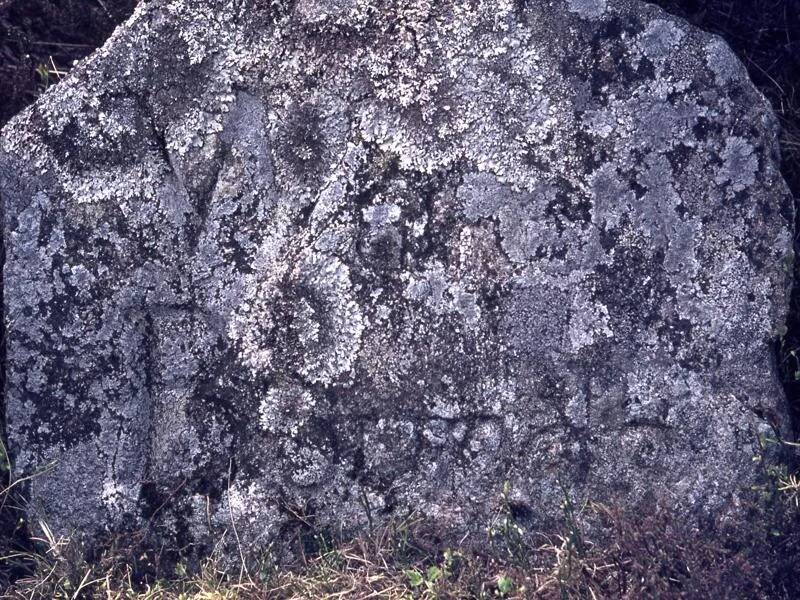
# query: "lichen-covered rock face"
{"points": [[362, 257]]}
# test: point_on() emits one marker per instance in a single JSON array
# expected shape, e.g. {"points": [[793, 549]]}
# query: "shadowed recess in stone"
{"points": [[373, 257]]}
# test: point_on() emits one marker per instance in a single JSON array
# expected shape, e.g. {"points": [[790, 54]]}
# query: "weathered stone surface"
{"points": [[364, 256]]}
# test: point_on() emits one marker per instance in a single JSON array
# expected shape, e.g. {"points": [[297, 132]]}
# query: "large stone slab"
{"points": [[358, 258]]}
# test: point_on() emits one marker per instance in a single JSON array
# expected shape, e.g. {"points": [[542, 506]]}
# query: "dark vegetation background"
{"points": [[41, 39]]}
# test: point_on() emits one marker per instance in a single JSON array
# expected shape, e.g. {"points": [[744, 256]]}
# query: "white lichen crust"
{"points": [[366, 257]]}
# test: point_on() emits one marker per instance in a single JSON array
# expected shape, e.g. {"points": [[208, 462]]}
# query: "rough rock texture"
{"points": [[358, 257]]}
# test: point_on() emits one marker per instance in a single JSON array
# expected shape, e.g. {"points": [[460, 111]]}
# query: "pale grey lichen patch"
{"points": [[248, 507], [336, 316], [611, 197], [680, 260], [429, 287], [483, 195], [295, 254], [588, 321], [285, 409], [322, 317], [442, 296], [318, 11], [740, 164], [656, 211], [308, 465], [588, 9], [723, 62], [381, 214], [660, 38]]}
